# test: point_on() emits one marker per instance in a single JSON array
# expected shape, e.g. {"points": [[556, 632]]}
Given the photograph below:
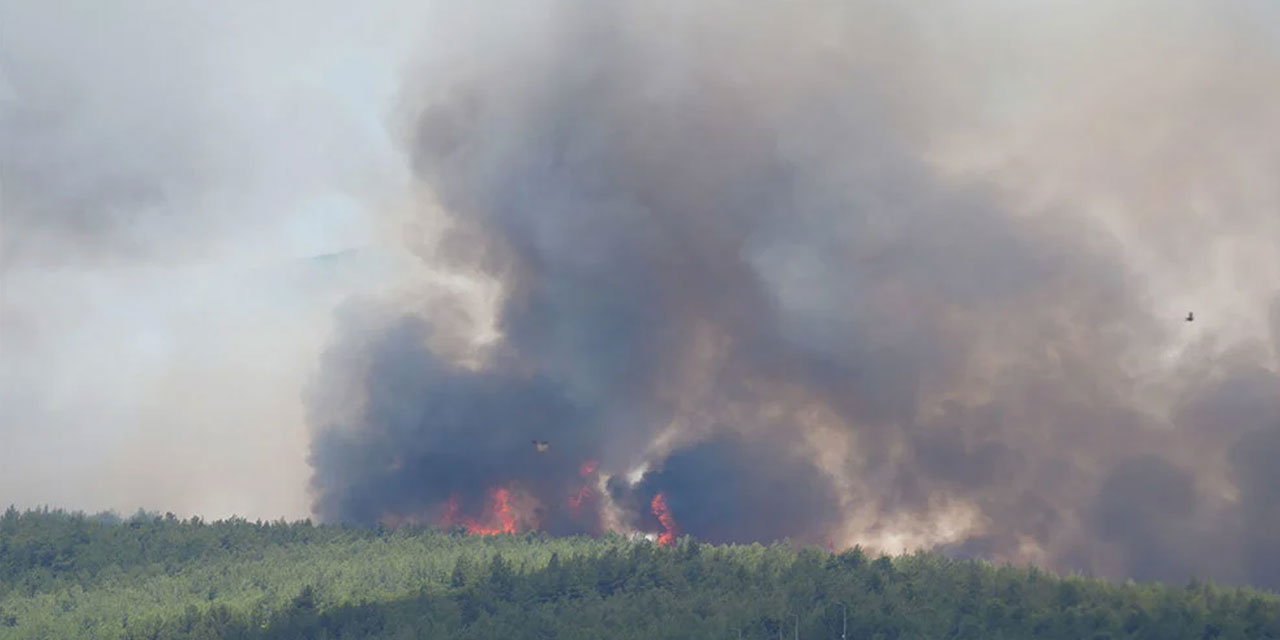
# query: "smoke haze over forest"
{"points": [[848, 273]]}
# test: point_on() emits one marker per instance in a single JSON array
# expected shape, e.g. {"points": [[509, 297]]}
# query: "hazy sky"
{"points": [[967, 224], [166, 169]]}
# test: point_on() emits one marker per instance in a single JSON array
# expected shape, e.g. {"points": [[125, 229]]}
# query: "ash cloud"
{"points": [[831, 271]]}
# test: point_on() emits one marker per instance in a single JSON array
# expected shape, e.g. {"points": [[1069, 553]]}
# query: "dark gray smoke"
{"points": [[1253, 461], [729, 255], [1145, 506], [737, 481], [463, 433]]}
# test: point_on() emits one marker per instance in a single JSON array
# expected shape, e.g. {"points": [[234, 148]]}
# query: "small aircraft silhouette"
{"points": [[1191, 317], [541, 445]]}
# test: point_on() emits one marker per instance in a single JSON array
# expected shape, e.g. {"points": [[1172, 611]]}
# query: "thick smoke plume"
{"points": [[839, 272]]}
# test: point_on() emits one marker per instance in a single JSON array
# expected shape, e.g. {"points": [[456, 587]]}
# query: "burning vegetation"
{"points": [[669, 527], [499, 516], [506, 511]]}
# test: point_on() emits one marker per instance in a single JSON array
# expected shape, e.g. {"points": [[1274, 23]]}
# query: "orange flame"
{"points": [[660, 509], [501, 515]]}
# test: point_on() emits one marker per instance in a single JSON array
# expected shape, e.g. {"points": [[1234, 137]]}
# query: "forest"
{"points": [[71, 575]]}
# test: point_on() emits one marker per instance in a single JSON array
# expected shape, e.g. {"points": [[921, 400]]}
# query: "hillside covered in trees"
{"points": [[75, 576]]}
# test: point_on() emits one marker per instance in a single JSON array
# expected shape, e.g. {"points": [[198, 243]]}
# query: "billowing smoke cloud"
{"points": [[834, 273]]}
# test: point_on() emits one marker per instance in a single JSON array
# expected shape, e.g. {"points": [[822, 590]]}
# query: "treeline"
{"points": [[74, 576]]}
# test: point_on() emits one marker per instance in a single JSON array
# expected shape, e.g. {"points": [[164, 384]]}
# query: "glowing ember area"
{"points": [[586, 469], [575, 500], [660, 509], [500, 517]]}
